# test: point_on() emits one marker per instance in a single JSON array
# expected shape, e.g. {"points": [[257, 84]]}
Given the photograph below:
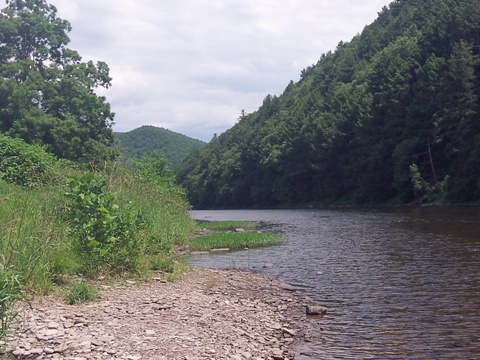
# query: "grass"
{"points": [[81, 292], [128, 220], [38, 246], [30, 235], [234, 241], [228, 225]]}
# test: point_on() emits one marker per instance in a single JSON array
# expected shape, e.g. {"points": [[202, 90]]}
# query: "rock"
{"points": [[240, 230], [288, 287], [315, 310], [277, 354], [220, 250], [210, 314], [305, 351], [289, 332], [199, 253]]}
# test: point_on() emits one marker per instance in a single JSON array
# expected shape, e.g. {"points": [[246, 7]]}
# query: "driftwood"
{"points": [[316, 310]]}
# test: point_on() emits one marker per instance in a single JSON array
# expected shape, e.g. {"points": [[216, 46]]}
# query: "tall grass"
{"points": [[234, 241], [162, 204], [227, 225], [31, 238], [143, 210]]}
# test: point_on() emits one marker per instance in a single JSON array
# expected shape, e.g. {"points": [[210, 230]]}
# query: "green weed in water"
{"points": [[228, 225], [234, 241]]}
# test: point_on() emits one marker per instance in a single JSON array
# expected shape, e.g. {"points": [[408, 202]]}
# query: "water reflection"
{"points": [[400, 283]]}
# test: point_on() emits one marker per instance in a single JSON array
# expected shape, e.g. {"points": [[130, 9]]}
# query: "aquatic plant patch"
{"points": [[228, 225], [234, 241]]}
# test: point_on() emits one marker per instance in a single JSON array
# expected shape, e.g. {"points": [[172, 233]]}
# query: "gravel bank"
{"points": [[212, 314]]}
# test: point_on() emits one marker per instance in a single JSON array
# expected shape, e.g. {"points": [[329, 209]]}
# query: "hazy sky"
{"points": [[191, 66]]}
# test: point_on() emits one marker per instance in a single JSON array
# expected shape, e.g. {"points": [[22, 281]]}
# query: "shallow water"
{"points": [[399, 283]]}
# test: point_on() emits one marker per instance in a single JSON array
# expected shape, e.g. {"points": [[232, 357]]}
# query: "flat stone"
{"points": [[289, 332], [199, 253], [209, 314], [219, 250]]}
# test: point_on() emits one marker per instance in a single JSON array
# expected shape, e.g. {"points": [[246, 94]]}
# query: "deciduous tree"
{"points": [[47, 93]]}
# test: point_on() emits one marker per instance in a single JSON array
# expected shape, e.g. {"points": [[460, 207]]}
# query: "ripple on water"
{"points": [[399, 283]]}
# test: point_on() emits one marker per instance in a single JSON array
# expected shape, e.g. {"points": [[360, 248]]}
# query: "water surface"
{"points": [[399, 283]]}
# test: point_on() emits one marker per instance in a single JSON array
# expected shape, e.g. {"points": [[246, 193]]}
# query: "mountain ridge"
{"points": [[389, 117], [147, 138]]}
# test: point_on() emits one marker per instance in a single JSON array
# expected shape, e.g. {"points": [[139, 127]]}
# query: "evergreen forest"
{"points": [[391, 117], [147, 139]]}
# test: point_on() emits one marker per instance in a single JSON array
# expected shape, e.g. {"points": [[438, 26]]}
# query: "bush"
{"points": [[25, 165], [106, 232]]}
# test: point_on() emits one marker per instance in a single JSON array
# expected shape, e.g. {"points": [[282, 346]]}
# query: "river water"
{"points": [[399, 282]]}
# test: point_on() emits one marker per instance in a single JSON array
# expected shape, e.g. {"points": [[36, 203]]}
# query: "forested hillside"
{"points": [[174, 146], [391, 116]]}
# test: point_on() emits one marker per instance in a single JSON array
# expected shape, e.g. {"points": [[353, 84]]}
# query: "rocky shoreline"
{"points": [[211, 314]]}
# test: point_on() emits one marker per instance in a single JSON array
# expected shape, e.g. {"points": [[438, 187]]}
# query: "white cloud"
{"points": [[191, 66]]}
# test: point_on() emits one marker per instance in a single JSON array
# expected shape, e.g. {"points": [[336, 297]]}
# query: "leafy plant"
{"points": [[423, 187], [25, 165], [104, 229]]}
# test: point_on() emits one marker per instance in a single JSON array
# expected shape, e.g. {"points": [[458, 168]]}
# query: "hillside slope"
{"points": [[174, 146], [392, 116]]}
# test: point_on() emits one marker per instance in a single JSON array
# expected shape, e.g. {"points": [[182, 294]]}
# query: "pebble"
{"points": [[211, 314]]}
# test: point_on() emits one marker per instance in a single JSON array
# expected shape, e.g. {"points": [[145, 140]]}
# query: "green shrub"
{"points": [[104, 229], [25, 165]]}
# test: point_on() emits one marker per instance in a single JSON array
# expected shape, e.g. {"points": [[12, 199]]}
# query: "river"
{"points": [[399, 282]]}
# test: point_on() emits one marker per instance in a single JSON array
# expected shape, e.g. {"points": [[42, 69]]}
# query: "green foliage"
{"points": [[30, 235], [81, 292], [24, 165], [121, 221], [227, 225], [424, 188], [47, 94], [161, 202], [10, 293], [105, 230], [162, 262], [234, 241], [150, 139], [404, 91], [153, 168]]}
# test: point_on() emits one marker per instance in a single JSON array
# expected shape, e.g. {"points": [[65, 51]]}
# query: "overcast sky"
{"points": [[191, 66]]}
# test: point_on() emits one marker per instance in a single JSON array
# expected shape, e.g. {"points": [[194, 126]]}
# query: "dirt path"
{"points": [[212, 314]]}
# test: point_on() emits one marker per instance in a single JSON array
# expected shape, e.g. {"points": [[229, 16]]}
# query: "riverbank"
{"points": [[211, 314]]}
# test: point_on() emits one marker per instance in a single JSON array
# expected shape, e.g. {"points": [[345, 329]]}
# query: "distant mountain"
{"points": [[174, 146]]}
